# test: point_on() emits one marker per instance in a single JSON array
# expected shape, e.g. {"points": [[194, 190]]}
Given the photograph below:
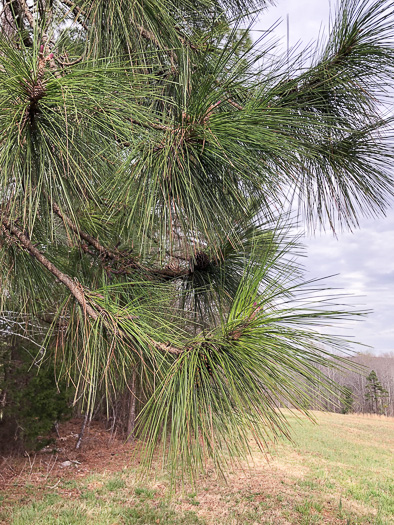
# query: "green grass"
{"points": [[144, 493], [349, 455], [114, 484], [81, 511], [340, 471]]}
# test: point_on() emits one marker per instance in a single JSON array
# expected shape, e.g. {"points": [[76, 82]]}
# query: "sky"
{"points": [[361, 262]]}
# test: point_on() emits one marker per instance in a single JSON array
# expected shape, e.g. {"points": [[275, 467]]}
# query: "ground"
{"points": [[338, 471]]}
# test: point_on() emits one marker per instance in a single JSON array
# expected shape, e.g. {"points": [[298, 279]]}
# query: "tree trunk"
{"points": [[132, 406], [80, 437]]}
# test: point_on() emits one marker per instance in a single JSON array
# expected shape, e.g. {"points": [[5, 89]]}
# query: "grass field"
{"points": [[340, 471]]}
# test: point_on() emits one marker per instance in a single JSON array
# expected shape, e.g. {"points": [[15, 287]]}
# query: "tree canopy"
{"points": [[149, 151]]}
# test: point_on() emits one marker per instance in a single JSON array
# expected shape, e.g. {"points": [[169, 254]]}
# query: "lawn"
{"points": [[339, 471]]}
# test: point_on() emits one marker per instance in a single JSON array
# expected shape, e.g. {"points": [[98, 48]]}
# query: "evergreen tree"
{"points": [[148, 150], [347, 400], [35, 403], [375, 393]]}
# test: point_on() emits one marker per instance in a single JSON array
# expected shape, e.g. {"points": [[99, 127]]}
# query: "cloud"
{"points": [[364, 264], [361, 263]]}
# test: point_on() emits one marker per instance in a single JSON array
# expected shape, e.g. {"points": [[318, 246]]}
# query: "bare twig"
{"points": [[27, 12], [235, 104], [51, 467], [154, 125], [72, 63], [55, 485], [77, 12]]}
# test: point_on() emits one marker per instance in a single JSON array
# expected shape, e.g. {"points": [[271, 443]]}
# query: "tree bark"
{"points": [[132, 406]]}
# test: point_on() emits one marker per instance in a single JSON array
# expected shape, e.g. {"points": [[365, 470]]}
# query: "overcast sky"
{"points": [[364, 259]]}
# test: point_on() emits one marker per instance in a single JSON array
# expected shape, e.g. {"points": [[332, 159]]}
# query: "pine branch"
{"points": [[83, 235], [147, 35], [73, 286], [166, 273]]}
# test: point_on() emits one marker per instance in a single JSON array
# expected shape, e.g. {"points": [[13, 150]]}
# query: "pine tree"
{"points": [[148, 150], [347, 400], [375, 393]]}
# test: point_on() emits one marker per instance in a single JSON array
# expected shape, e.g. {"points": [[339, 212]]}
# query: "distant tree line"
{"points": [[367, 389]]}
